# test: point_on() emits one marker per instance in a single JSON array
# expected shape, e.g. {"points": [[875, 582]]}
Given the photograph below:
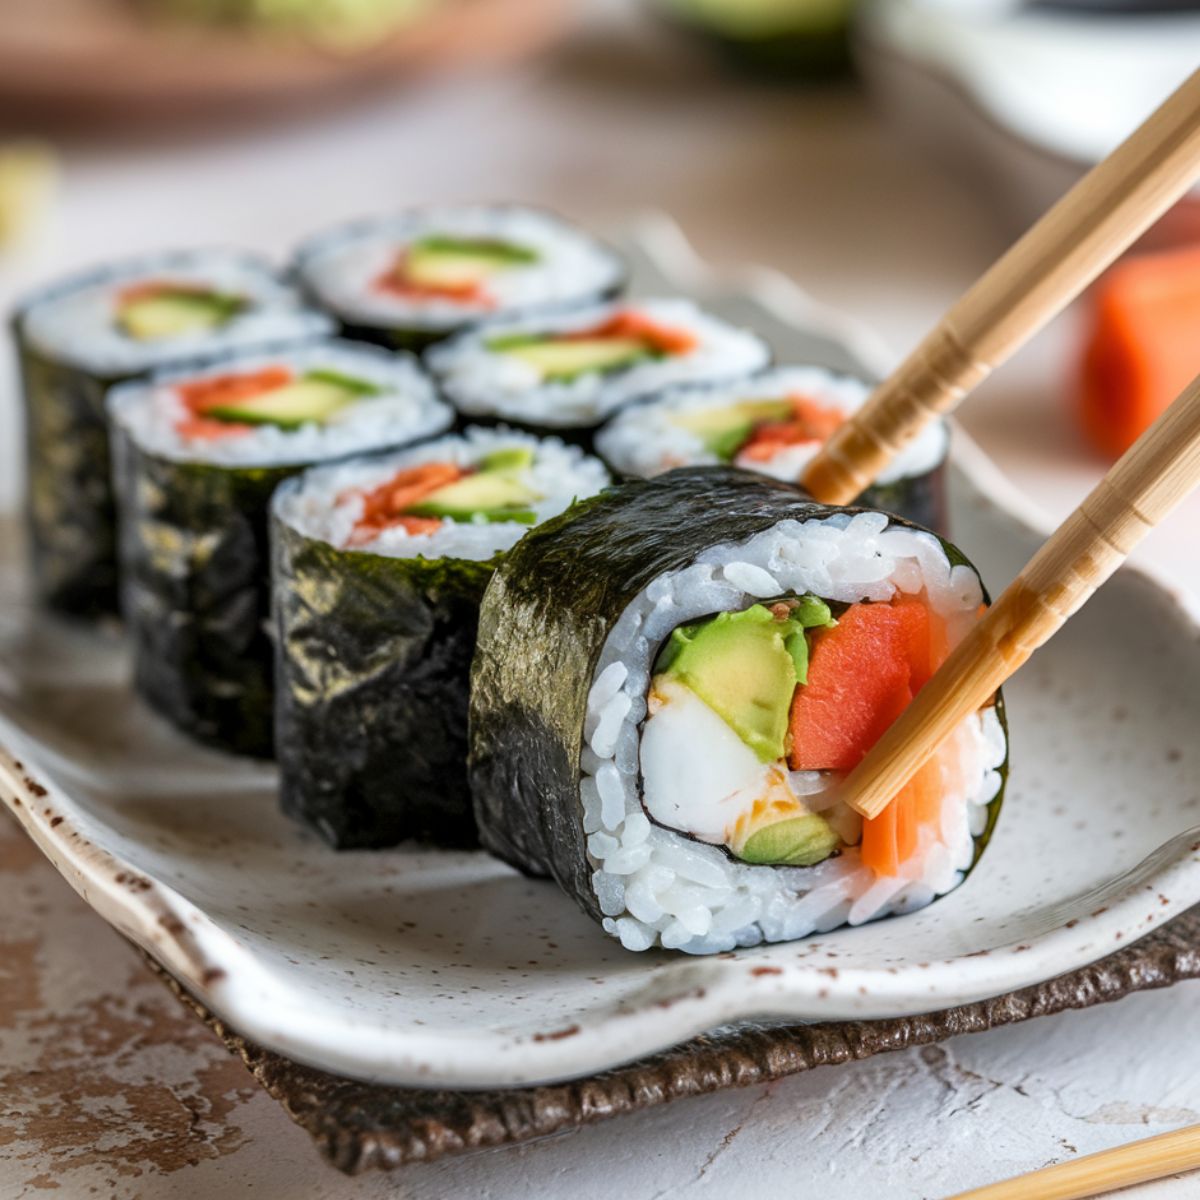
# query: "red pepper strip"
{"points": [[810, 422], [383, 507]]}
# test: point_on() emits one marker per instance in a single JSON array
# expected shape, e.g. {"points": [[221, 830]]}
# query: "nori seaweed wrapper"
{"points": [[195, 592], [543, 624], [373, 666], [69, 506], [920, 499]]}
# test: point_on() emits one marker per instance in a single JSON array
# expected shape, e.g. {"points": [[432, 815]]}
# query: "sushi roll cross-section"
{"points": [[379, 566], [774, 423], [198, 453], [568, 373], [672, 680], [411, 279], [79, 338]]}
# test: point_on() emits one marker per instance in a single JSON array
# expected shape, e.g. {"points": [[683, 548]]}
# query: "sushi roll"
{"points": [[379, 565], [672, 678], [773, 423], [197, 454], [411, 279], [85, 334], [568, 373]]}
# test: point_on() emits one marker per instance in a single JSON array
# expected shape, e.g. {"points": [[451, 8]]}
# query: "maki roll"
{"points": [[672, 678], [197, 454], [414, 278], [568, 373], [379, 566], [773, 423], [78, 338]]}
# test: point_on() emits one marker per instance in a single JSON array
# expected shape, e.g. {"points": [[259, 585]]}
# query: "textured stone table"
{"points": [[108, 1088]]}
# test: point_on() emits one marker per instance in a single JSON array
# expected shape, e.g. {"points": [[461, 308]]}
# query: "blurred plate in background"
{"points": [[97, 58], [1030, 96]]}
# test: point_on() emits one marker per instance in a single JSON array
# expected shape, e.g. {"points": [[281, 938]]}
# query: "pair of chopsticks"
{"points": [[1081, 235]]}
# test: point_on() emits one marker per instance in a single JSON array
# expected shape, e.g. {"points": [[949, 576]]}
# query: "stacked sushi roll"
{"points": [[568, 373], [774, 423], [379, 568], [198, 453], [414, 278], [79, 338], [670, 682]]}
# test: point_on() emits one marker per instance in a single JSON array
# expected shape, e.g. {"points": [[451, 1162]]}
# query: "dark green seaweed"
{"points": [[72, 526], [543, 624], [373, 659], [918, 498], [195, 593]]}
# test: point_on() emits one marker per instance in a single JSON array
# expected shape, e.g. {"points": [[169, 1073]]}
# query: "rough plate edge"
{"points": [[694, 995]]}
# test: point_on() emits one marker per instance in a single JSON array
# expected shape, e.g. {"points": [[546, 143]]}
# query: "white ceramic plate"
{"points": [[425, 968]]}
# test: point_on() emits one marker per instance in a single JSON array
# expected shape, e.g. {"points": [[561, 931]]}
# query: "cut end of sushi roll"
{"points": [[286, 406], [774, 423], [379, 566], [429, 272], [134, 316], [573, 370], [725, 651], [826, 629], [469, 496]]}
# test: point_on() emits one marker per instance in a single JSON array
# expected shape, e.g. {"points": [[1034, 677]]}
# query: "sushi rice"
{"points": [[73, 320], [403, 408], [330, 503], [554, 265], [485, 382], [646, 439], [659, 886]]}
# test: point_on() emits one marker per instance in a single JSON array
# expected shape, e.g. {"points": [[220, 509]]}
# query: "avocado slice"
{"points": [[800, 841], [725, 430], [448, 262], [560, 360], [511, 458], [306, 401], [491, 495], [745, 666], [168, 314]]}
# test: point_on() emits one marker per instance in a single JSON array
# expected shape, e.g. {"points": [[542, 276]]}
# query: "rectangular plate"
{"points": [[434, 969]]}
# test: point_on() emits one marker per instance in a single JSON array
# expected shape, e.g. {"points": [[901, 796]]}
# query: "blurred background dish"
{"points": [[164, 58], [1027, 96]]}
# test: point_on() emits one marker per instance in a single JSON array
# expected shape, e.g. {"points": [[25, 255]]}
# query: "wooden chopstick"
{"points": [[1149, 480], [1106, 1171], [1069, 246]]}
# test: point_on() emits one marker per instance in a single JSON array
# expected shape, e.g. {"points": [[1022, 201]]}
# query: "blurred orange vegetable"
{"points": [[1143, 346]]}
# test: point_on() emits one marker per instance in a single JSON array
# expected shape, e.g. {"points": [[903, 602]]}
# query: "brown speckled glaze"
{"points": [[363, 1127]]}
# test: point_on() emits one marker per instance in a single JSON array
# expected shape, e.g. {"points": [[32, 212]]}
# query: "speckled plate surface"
{"points": [[447, 969]]}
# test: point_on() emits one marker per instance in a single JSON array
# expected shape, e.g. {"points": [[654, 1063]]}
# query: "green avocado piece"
{"points": [[560, 360], [490, 495], [460, 262], [724, 430], [795, 842], [745, 666], [511, 458], [306, 401], [739, 665], [174, 314]]}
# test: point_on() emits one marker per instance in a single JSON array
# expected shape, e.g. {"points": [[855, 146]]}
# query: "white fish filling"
{"points": [[647, 439], [657, 887], [405, 409], [329, 502], [78, 324], [343, 266], [485, 382]]}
